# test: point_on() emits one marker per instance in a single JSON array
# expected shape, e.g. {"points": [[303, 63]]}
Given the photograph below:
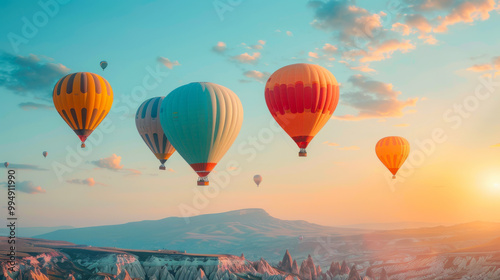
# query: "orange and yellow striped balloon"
{"points": [[83, 100], [392, 152]]}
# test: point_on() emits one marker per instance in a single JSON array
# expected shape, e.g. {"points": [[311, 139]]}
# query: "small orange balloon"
{"points": [[392, 152]]}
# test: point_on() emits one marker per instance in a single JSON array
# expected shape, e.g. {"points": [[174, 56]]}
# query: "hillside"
{"points": [[252, 231]]}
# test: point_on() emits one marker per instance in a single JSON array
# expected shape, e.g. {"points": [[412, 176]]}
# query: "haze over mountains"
{"points": [[257, 234], [252, 231], [31, 231], [392, 226]]}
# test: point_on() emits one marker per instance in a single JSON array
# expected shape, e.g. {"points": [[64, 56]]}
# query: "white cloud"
{"points": [[220, 47], [247, 58], [169, 64]]}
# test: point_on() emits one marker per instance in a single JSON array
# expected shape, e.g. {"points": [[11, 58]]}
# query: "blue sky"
{"points": [[401, 69]]}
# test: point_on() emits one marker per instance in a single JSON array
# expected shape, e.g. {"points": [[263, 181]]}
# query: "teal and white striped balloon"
{"points": [[201, 120]]}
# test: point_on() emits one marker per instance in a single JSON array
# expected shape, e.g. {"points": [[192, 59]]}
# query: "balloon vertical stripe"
{"points": [[392, 152], [149, 127], [301, 98], [202, 120], [75, 97]]}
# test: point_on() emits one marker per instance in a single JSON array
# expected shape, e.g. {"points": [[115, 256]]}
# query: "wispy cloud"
{"points": [[419, 23], [169, 64], [402, 28], [374, 99], [259, 46], [34, 106], [466, 12], [363, 68], [332, 144], [257, 75], [480, 67], [484, 67], [112, 162], [89, 182], [401, 125], [247, 58], [29, 74], [426, 16], [350, 148], [220, 47], [329, 48], [313, 55], [348, 21], [26, 166], [367, 36], [380, 51], [27, 187], [496, 62]]}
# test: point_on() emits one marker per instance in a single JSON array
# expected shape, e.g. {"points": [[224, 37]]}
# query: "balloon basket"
{"points": [[203, 181], [162, 167], [393, 177], [83, 145], [302, 153]]}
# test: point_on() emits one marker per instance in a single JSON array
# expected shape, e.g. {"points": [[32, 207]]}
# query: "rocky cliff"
{"points": [[38, 259], [41, 259]]}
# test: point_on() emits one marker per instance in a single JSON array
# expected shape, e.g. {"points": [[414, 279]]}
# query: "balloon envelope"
{"points": [[201, 120], [392, 152], [83, 100], [6, 164], [45, 154], [147, 121], [257, 179], [103, 64], [302, 98]]}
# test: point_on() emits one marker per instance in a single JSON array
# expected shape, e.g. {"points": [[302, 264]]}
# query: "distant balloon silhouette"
{"points": [[392, 152], [257, 179], [201, 120], [302, 98], [6, 164], [83, 100], [301, 237], [147, 121], [45, 154], [103, 64]]}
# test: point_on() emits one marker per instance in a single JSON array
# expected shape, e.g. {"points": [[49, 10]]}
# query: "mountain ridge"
{"points": [[233, 232], [257, 234]]}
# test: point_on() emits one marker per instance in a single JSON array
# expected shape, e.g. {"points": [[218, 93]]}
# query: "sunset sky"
{"points": [[429, 72]]}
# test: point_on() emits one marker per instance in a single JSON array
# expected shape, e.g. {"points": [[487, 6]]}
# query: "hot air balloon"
{"points": [[6, 164], [45, 154], [392, 152], [103, 64], [301, 237], [257, 179], [302, 98], [201, 120], [148, 124], [83, 100]]}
